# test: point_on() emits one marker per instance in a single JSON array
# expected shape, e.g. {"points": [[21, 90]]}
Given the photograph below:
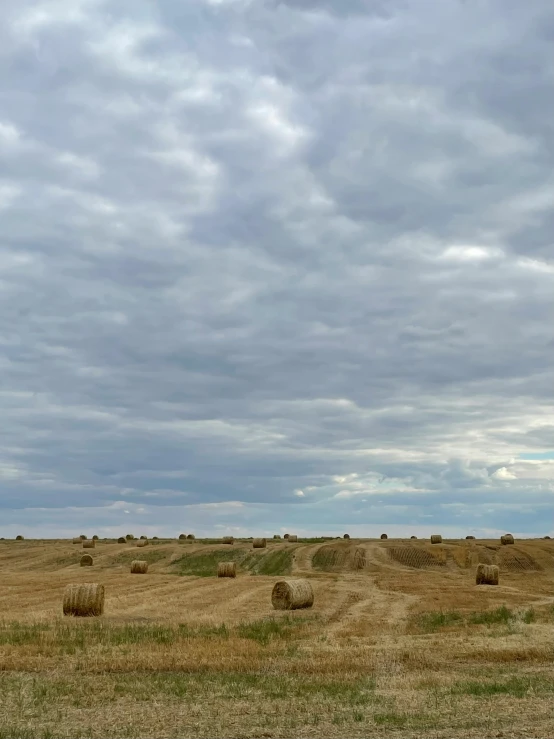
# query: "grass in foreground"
{"points": [[434, 620], [71, 635], [233, 704]]}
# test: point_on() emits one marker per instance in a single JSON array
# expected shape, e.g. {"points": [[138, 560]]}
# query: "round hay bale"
{"points": [[359, 558], [286, 536], [139, 567], [227, 569], [293, 538], [384, 536], [86, 560], [88, 543], [288, 595], [436, 539], [227, 540], [413, 537], [95, 537], [19, 537], [86, 599], [346, 536], [122, 540], [76, 540], [507, 539], [259, 543], [191, 536], [486, 574], [182, 536], [129, 537], [276, 536], [142, 542]]}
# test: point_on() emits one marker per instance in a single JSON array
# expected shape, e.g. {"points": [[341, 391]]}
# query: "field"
{"points": [[400, 641]]}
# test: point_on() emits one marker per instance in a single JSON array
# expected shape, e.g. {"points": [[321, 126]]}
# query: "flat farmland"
{"points": [[399, 642]]}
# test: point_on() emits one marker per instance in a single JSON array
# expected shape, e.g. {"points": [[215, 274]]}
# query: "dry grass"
{"points": [[394, 649]]}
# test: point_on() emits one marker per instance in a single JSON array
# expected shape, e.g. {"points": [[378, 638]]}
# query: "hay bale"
{"points": [[227, 540], [293, 538], [486, 575], [182, 536], [288, 595], [227, 569], [88, 543], [259, 543], [359, 558], [86, 599], [76, 540], [384, 536], [122, 540], [507, 539], [86, 560], [191, 536], [276, 536], [139, 567], [19, 537], [286, 536], [142, 542], [436, 539], [346, 536]]}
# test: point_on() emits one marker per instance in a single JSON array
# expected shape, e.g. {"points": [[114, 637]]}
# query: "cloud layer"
{"points": [[276, 265]]}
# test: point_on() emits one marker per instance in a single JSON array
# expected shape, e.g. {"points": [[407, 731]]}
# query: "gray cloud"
{"points": [[250, 249]]}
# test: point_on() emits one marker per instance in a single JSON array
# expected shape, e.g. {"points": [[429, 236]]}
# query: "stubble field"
{"points": [[400, 641]]}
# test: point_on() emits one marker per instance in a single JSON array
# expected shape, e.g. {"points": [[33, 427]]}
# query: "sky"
{"points": [[276, 265]]}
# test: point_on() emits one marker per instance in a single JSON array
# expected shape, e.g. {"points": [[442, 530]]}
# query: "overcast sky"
{"points": [[276, 265]]}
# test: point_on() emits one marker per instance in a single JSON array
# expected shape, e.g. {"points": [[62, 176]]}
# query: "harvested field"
{"points": [[416, 557], [408, 645]]}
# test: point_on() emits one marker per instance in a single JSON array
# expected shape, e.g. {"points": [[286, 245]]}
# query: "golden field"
{"points": [[399, 642]]}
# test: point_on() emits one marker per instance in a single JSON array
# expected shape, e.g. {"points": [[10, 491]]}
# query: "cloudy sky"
{"points": [[272, 265]]}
